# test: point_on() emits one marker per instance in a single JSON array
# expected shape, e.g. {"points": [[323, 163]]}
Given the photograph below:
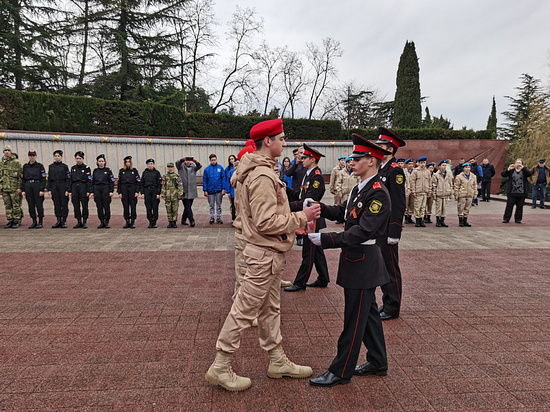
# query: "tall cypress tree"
{"points": [[492, 121], [407, 108]]}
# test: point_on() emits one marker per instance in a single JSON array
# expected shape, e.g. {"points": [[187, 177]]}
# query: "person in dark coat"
{"points": [[516, 190], [313, 187], [103, 187], [488, 173], [128, 187], [33, 184], [80, 187], [361, 268], [58, 185], [394, 180], [151, 188]]}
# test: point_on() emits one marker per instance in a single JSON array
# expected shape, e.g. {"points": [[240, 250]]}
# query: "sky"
{"points": [[468, 50]]}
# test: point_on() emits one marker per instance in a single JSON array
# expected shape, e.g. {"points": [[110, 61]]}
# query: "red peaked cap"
{"points": [[266, 129], [310, 152], [387, 136], [363, 147]]}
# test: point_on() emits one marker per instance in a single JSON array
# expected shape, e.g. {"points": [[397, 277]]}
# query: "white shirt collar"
{"points": [[364, 183]]}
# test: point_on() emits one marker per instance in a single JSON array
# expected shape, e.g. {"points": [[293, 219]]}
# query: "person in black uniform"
{"points": [[394, 180], [58, 186], [33, 184], [361, 268], [80, 187], [313, 187], [151, 188], [103, 183], [128, 187]]}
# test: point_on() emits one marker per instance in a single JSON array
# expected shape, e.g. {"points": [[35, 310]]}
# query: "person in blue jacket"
{"points": [[230, 190], [213, 180], [284, 168]]}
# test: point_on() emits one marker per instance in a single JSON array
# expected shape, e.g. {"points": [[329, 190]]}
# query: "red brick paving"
{"points": [[136, 331]]}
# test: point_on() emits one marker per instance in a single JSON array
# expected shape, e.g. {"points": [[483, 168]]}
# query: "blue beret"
{"points": [[410, 160], [441, 161], [400, 160], [422, 159], [431, 164], [348, 159], [466, 164], [341, 157]]}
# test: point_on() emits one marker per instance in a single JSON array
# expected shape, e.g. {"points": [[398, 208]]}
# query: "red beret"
{"points": [[245, 150], [266, 129], [251, 143]]}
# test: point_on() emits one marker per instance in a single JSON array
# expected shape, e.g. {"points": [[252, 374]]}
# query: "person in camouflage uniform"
{"points": [[10, 186], [172, 193]]}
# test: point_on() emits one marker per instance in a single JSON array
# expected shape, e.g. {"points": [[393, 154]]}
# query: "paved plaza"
{"points": [[122, 319]]}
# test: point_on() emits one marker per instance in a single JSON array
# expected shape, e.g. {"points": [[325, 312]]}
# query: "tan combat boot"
{"points": [[280, 365], [220, 373]]}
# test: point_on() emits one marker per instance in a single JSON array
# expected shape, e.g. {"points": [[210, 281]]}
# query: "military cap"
{"points": [[101, 156], [411, 160], [127, 158], [341, 157], [59, 152], [542, 161], [441, 161], [150, 161], [170, 164], [310, 152], [422, 159], [400, 160], [430, 164], [32, 153], [389, 137], [6, 147], [363, 147], [80, 153], [466, 164], [267, 128]]}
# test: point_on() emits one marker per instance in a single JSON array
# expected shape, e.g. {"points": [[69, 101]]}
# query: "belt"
{"points": [[369, 242], [32, 181]]}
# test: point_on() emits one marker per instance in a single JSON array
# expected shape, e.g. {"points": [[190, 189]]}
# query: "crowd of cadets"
{"points": [[80, 183]]}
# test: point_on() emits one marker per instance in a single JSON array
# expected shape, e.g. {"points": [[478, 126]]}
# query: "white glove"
{"points": [[308, 202], [315, 238], [393, 240]]}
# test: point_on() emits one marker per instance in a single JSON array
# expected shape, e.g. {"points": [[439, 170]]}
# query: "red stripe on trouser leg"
{"points": [[354, 333], [395, 273]]}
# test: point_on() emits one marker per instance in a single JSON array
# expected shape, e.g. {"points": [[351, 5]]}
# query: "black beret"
{"points": [[101, 156], [148, 160], [32, 153], [128, 158], [60, 152], [79, 153]]}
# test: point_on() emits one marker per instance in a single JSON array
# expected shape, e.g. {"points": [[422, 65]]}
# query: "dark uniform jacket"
{"points": [[313, 187], [34, 172], [103, 177], [366, 214], [393, 178], [297, 172], [58, 172], [151, 179], [81, 174], [128, 177]]}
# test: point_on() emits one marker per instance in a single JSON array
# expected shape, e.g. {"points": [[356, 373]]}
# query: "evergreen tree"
{"points": [[427, 122], [528, 93], [407, 105], [492, 121]]}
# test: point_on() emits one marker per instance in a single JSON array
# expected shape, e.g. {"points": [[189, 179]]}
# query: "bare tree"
{"points": [[268, 62], [294, 80], [322, 61], [239, 73]]}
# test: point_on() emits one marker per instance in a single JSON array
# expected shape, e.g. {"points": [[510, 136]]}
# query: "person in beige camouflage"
{"points": [[465, 191], [10, 187], [172, 193], [442, 189], [420, 188], [345, 181]]}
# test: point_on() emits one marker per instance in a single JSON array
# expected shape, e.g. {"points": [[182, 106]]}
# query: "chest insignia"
{"points": [[353, 213], [360, 205]]}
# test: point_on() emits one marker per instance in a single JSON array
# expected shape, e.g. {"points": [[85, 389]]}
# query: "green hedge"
{"points": [[72, 114]]}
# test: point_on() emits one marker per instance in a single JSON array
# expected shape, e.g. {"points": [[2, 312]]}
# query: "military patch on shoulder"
{"points": [[399, 179], [376, 185], [317, 172], [394, 165], [316, 184], [375, 206]]}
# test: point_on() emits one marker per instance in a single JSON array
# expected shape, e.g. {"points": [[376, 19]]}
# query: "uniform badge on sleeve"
{"points": [[399, 179], [375, 206], [316, 184]]}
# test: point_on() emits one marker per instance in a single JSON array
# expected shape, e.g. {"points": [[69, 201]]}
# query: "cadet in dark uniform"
{"points": [[80, 187], [361, 268], [58, 186], [151, 188], [103, 182], [313, 187], [394, 180], [33, 184], [128, 187]]}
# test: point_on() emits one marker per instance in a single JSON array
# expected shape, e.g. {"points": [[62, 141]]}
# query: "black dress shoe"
{"points": [[385, 316], [192, 223], [369, 369], [211, 221], [316, 284], [505, 220], [381, 309], [299, 241], [328, 379], [293, 288]]}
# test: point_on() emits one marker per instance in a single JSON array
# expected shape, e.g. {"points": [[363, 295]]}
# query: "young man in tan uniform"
{"points": [[465, 191], [268, 230], [334, 178], [420, 187], [409, 200], [346, 181], [442, 189]]}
